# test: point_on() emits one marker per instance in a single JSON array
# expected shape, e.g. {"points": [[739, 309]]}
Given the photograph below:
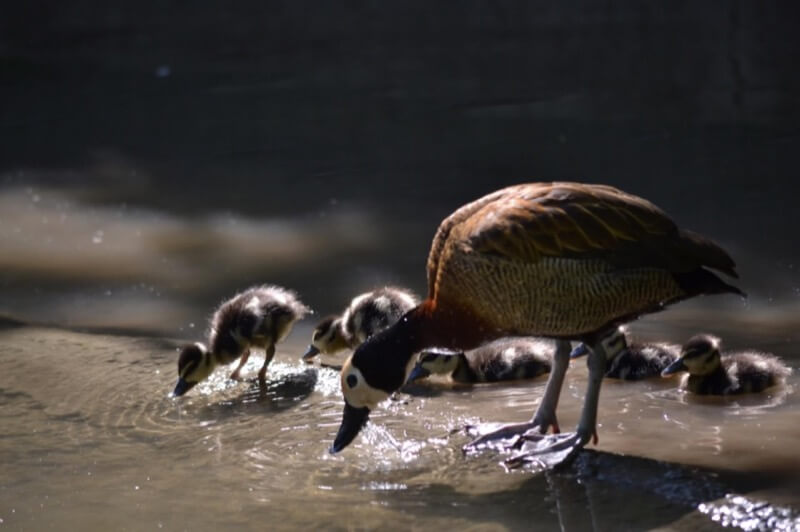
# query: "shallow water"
{"points": [[91, 440]]}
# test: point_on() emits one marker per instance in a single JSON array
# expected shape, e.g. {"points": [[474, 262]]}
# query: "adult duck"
{"points": [[562, 260]]}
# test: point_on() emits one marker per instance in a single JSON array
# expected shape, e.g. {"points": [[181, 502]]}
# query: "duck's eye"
{"points": [[352, 380]]}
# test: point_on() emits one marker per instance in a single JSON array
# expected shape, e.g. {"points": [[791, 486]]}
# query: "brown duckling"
{"points": [[367, 314], [502, 360], [632, 361], [260, 316], [715, 373]]}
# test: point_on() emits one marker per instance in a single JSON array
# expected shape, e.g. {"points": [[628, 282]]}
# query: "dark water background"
{"points": [[155, 157], [189, 150]]}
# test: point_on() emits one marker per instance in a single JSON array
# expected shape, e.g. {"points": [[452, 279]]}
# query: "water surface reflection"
{"points": [[91, 439]]}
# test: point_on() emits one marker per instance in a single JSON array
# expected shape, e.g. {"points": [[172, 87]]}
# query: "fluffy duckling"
{"points": [[367, 314], [632, 361], [732, 373], [502, 360], [260, 316]]}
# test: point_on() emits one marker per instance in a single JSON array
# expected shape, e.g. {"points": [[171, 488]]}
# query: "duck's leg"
{"points": [[545, 416], [551, 450], [269, 353], [242, 361]]}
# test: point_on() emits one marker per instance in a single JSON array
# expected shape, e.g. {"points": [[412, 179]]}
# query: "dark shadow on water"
{"points": [[275, 395], [596, 491]]}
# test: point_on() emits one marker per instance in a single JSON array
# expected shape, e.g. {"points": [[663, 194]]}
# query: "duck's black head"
{"points": [[373, 372]]}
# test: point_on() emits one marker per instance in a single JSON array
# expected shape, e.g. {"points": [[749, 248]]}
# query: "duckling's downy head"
{"points": [[434, 362], [194, 365], [327, 338], [699, 356]]}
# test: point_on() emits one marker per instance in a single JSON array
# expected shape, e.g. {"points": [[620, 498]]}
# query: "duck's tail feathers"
{"points": [[702, 281]]}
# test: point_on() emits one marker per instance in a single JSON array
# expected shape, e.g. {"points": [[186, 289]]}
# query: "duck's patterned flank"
{"points": [[556, 297]]}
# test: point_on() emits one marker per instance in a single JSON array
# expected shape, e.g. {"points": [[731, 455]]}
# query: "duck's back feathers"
{"points": [[589, 240], [573, 220]]}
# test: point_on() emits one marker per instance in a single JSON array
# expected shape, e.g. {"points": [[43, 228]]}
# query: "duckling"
{"points": [[633, 361], [260, 316], [367, 314], [712, 373], [560, 260], [502, 360]]}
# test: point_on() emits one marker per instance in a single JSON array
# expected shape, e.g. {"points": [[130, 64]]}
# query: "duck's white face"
{"points": [[357, 391]]}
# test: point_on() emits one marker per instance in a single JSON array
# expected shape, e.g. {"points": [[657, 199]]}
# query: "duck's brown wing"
{"points": [[571, 220]]}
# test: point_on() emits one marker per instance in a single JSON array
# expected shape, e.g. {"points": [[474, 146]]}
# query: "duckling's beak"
{"points": [[310, 353], [182, 387], [353, 420], [579, 351], [418, 372], [675, 367]]}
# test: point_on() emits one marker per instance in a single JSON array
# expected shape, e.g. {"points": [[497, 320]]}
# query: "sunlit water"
{"points": [[91, 440]]}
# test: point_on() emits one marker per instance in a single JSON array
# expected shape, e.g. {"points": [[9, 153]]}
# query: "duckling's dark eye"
{"points": [[352, 380]]}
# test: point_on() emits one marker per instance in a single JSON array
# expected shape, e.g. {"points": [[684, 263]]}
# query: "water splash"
{"points": [[750, 514]]}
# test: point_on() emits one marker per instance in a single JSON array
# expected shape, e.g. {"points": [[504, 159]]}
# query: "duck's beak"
{"points": [[418, 372], [353, 420], [310, 353], [182, 387], [675, 367], [581, 350]]}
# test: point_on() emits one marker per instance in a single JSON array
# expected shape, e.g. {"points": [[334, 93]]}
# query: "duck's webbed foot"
{"points": [[548, 450], [506, 437]]}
